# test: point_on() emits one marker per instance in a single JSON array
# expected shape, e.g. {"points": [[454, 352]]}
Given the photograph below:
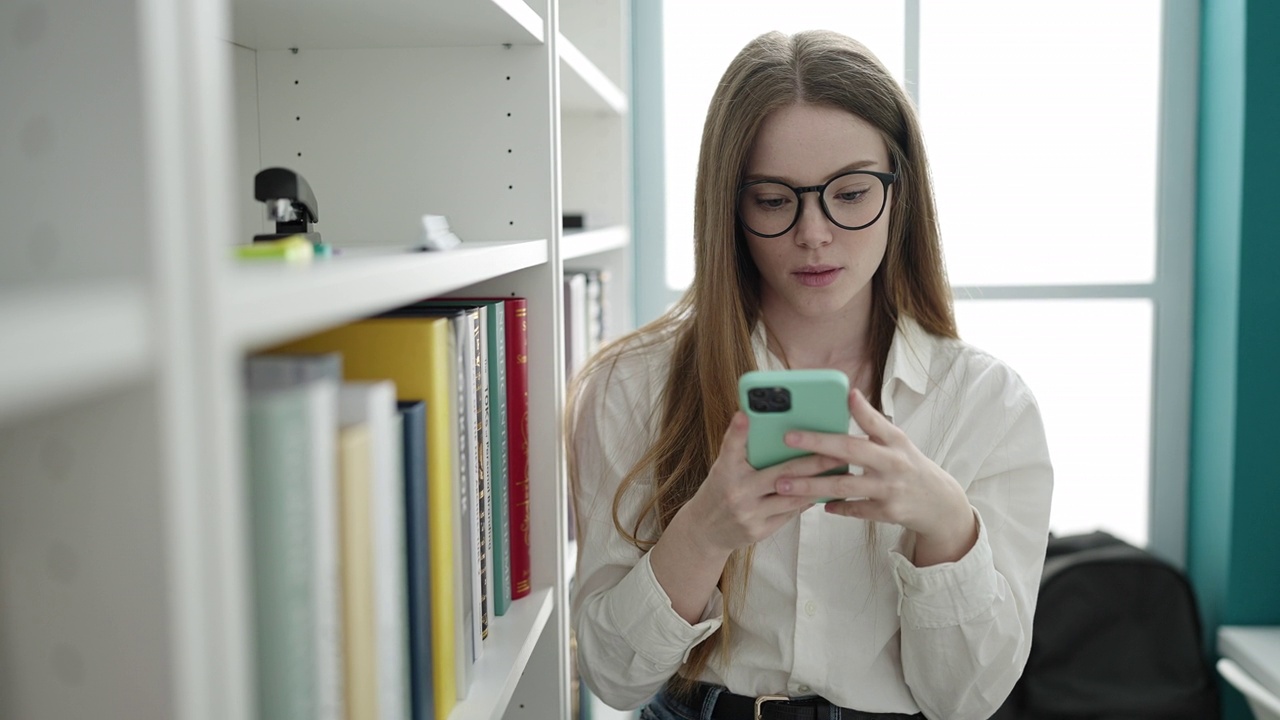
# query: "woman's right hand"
{"points": [[735, 507], [737, 504]]}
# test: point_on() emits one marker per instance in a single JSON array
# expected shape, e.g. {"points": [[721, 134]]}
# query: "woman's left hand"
{"points": [[899, 485]]}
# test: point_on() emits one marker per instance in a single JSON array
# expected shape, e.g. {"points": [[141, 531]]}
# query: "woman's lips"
{"points": [[817, 275]]}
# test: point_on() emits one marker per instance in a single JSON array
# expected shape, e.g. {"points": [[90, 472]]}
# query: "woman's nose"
{"points": [[813, 229]]}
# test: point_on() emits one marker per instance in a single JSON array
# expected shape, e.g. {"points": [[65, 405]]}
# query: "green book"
{"points": [[281, 516]]}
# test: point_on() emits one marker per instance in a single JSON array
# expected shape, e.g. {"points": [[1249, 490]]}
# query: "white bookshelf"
{"points": [[129, 135], [498, 672], [68, 342]]}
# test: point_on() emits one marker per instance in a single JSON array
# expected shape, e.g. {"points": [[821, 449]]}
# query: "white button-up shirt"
{"points": [[828, 610]]}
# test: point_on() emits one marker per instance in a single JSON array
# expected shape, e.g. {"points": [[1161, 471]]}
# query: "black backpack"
{"points": [[1116, 637]]}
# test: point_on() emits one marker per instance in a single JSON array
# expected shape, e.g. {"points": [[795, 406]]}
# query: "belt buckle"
{"points": [[760, 701]]}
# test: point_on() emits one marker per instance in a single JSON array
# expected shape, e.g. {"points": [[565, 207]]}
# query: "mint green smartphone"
{"points": [[776, 401]]}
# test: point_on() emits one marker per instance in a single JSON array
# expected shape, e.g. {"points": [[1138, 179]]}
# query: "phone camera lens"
{"points": [[779, 400]]}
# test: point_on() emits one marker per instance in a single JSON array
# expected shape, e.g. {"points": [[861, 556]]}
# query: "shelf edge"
{"points": [[264, 306], [582, 244]]}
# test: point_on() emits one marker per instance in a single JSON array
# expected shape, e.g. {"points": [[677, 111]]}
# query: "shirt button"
{"points": [[804, 689], [811, 608]]}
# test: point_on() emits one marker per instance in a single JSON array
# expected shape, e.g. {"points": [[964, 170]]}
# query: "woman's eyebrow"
{"points": [[856, 165]]}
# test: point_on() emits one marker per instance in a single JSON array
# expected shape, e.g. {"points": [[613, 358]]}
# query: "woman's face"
{"points": [[817, 269]]}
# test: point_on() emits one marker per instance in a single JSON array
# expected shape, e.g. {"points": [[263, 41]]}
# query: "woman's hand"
{"points": [[899, 485], [738, 505], [735, 507]]}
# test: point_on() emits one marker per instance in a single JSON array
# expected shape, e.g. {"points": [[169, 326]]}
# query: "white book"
{"points": [[575, 322], [321, 374], [374, 403], [471, 541], [465, 657]]}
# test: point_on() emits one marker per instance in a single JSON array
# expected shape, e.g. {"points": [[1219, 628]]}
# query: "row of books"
{"points": [[389, 500], [586, 316], [586, 329]]}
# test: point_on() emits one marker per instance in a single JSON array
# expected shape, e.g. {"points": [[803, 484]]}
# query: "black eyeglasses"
{"points": [[852, 200]]}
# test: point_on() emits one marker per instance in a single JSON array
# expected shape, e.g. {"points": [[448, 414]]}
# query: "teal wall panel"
{"points": [[1234, 497]]}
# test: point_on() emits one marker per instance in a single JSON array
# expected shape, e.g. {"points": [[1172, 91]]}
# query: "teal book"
{"points": [[413, 416], [321, 375], [281, 521]]}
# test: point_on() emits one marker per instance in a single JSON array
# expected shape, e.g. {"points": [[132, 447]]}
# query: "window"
{"points": [[1061, 137]]}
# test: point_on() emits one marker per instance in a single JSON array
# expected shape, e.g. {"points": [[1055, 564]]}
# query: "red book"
{"points": [[518, 442]]}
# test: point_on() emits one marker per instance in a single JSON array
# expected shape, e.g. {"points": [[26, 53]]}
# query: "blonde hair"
{"points": [[713, 321]]}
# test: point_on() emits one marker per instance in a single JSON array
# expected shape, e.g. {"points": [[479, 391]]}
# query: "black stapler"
{"points": [[290, 204]]}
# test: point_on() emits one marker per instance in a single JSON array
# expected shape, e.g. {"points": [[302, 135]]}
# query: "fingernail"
{"points": [[791, 438], [784, 486]]}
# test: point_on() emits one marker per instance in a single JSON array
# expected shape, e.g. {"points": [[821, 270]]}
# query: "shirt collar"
{"points": [[910, 355]]}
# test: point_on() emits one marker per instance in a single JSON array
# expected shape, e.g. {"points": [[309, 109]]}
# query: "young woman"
{"points": [[709, 589]]}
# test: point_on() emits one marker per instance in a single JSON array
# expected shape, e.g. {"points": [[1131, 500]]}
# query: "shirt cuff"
{"points": [[945, 594], [641, 611]]}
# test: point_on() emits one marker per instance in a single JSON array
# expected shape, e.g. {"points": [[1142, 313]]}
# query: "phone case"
{"points": [[819, 401]]}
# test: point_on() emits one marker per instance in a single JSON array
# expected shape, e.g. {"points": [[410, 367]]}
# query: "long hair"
{"points": [[713, 321]]}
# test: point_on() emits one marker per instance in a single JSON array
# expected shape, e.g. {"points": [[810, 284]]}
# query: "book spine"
{"points": [[463, 560], [358, 598], [281, 517], [391, 567], [328, 575], [480, 459], [417, 542], [320, 375], [486, 489], [498, 439], [518, 443]]}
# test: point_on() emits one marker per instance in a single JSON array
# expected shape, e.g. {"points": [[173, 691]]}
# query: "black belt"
{"points": [[743, 707]]}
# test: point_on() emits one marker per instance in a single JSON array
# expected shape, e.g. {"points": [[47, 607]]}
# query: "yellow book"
{"points": [[355, 478], [414, 353]]}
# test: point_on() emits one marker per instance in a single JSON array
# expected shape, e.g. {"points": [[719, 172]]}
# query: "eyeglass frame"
{"points": [[886, 180]]}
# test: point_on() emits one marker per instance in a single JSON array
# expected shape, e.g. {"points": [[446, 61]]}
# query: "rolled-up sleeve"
{"points": [[629, 638], [966, 625]]}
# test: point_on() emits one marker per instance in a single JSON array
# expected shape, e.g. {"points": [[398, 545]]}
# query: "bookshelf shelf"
{"points": [[512, 638], [74, 341], [591, 242], [283, 24], [268, 304], [585, 88]]}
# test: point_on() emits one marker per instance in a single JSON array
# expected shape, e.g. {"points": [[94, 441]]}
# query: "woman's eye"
{"points": [[850, 196], [774, 203]]}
